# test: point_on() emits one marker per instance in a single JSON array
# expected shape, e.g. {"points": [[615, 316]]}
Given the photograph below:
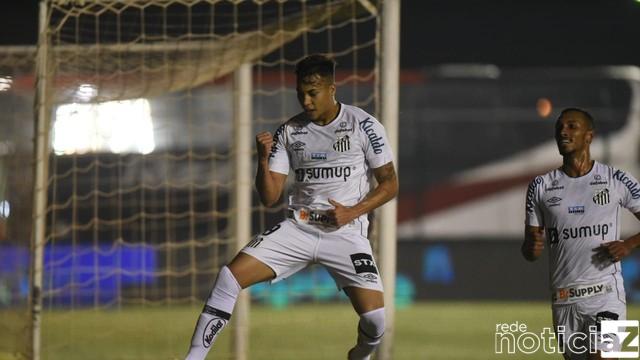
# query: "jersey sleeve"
{"points": [[534, 215], [630, 191], [278, 158], [377, 150]]}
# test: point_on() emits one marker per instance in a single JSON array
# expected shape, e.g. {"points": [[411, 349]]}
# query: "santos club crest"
{"points": [[342, 144], [601, 197]]}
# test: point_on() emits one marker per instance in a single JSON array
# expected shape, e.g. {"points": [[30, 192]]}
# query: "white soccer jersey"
{"points": [[579, 215], [331, 161]]}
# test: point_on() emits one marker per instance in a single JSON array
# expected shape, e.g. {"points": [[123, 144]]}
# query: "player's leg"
{"points": [[369, 304], [349, 258], [243, 271], [278, 252], [604, 308], [567, 323]]}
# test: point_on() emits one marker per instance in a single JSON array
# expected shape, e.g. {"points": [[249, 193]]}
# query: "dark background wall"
{"points": [[502, 32]]}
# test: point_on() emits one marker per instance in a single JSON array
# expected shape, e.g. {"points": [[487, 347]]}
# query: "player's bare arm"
{"points": [[616, 250], [386, 190], [533, 243], [268, 183]]}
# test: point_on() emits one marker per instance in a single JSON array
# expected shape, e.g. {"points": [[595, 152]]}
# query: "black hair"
{"points": [[587, 116], [316, 64]]}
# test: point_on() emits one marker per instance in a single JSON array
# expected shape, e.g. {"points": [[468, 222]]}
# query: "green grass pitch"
{"points": [[431, 330]]}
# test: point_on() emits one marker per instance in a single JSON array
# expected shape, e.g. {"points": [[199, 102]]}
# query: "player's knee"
{"points": [[225, 290], [371, 326]]}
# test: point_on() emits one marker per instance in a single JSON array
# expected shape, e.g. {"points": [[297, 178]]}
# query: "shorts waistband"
{"points": [[581, 292]]}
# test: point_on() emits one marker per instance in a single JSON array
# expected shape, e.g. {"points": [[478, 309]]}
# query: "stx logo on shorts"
{"points": [[363, 263]]}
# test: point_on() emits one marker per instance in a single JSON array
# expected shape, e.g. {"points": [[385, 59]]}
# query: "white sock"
{"points": [[215, 315], [370, 331]]}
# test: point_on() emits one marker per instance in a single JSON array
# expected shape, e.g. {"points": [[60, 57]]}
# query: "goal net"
{"points": [[137, 97]]}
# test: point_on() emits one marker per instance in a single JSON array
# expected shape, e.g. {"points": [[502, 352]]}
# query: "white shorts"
{"points": [[290, 247], [578, 317]]}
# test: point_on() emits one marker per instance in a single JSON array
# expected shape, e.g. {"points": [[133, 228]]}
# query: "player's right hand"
{"points": [[533, 244], [264, 141]]}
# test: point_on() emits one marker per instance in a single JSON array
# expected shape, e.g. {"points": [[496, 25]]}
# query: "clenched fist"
{"points": [[264, 141]]}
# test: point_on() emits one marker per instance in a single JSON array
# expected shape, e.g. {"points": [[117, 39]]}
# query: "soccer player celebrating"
{"points": [[578, 205], [332, 148]]}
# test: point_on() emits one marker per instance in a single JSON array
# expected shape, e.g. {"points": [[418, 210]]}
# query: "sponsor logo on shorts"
{"points": [[316, 217], [370, 277], [363, 263], [601, 197], [581, 292]]}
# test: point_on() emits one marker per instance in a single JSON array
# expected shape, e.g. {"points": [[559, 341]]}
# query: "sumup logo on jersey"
{"points": [[597, 230], [309, 174]]}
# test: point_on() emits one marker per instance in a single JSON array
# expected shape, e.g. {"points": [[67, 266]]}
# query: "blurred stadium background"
{"points": [[140, 208]]}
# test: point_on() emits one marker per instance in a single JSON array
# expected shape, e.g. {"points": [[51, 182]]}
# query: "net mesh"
{"points": [[140, 210]]}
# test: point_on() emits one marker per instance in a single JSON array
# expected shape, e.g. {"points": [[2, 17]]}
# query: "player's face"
{"points": [[573, 133], [317, 98]]}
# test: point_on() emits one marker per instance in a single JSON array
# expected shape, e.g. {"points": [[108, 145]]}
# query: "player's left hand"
{"points": [[340, 214], [614, 250]]}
